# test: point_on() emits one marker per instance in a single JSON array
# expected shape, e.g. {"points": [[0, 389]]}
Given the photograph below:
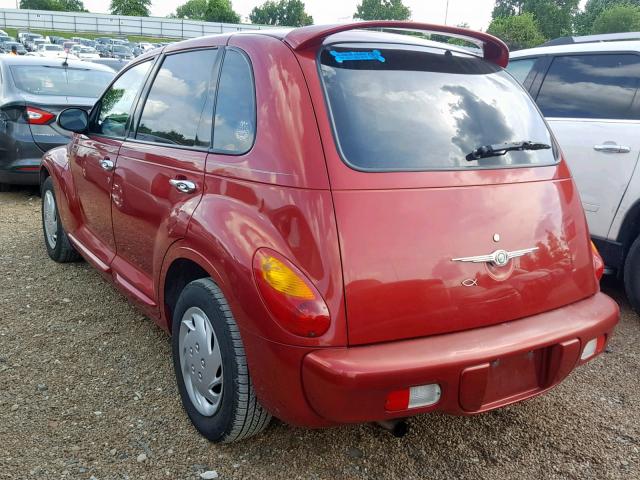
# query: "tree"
{"points": [[192, 10], [71, 6], [134, 8], [517, 31], [507, 8], [290, 13], [584, 20], [56, 5], [37, 4], [554, 17], [221, 11], [619, 18], [382, 10]]}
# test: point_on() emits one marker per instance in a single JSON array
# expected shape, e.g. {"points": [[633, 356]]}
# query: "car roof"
{"points": [[618, 46], [50, 62]]}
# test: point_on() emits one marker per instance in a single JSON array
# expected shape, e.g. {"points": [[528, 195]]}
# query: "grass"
{"points": [[13, 32]]}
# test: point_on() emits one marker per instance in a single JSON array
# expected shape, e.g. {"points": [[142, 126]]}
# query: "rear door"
{"points": [[591, 104], [432, 240], [159, 176]]}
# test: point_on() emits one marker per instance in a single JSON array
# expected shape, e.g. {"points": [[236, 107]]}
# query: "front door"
{"points": [[590, 102], [159, 176], [93, 158]]}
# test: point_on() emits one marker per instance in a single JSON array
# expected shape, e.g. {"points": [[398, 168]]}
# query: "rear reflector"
{"points": [[36, 116], [593, 347], [413, 397]]}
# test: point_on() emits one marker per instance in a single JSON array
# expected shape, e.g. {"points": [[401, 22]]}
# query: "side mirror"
{"points": [[73, 119]]}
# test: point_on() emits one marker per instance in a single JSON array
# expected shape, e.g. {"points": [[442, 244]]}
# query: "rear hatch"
{"points": [[432, 242], [49, 89]]}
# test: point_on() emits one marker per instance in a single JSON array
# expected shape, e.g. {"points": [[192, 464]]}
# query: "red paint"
{"points": [[375, 248], [347, 385], [307, 38]]}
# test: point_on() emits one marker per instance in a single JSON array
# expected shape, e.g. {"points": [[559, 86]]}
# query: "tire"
{"points": [[632, 275], [230, 410], [56, 241], [5, 187]]}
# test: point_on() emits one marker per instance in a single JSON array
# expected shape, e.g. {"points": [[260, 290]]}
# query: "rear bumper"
{"points": [[20, 161], [477, 370], [29, 176]]}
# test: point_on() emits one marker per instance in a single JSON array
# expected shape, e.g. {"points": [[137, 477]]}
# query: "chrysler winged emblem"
{"points": [[499, 258]]}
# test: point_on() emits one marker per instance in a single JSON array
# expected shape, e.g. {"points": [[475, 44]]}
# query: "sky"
{"points": [[477, 13]]}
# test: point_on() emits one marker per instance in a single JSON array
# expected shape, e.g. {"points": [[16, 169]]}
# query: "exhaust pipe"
{"points": [[398, 428]]}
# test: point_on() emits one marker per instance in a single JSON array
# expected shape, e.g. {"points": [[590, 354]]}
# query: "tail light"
{"points": [[598, 263], [36, 116], [290, 296]]}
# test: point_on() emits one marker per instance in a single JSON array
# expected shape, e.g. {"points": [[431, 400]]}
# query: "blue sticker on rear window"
{"points": [[344, 56]]}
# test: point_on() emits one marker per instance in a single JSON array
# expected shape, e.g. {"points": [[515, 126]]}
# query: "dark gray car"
{"points": [[116, 64], [33, 91], [120, 51]]}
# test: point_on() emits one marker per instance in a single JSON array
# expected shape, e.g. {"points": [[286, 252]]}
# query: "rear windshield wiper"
{"points": [[498, 150]]}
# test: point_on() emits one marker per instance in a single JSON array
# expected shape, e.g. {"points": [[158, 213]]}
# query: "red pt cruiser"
{"points": [[336, 224]]}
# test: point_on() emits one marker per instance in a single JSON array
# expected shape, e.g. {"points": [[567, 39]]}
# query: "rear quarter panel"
{"points": [[235, 218]]}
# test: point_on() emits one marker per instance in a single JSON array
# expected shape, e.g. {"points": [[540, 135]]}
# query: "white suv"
{"points": [[588, 90]]}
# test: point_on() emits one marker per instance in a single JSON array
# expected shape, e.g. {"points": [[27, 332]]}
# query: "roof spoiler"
{"points": [[494, 49]]}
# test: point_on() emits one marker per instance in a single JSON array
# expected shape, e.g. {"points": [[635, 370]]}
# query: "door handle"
{"points": [[107, 164], [184, 186], [611, 148]]}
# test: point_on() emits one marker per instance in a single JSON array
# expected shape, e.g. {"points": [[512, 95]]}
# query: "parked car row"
{"points": [[336, 224], [85, 48]]}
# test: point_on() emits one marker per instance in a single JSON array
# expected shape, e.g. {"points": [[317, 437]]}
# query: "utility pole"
{"points": [[446, 13]]}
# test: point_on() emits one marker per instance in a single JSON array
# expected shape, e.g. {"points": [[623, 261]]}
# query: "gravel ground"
{"points": [[87, 391]]}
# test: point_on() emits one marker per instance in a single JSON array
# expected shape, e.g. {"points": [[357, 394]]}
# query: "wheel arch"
{"points": [[44, 174], [630, 228], [55, 164], [181, 266]]}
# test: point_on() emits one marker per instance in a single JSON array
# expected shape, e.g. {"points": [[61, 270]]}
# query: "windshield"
{"points": [[120, 49], [75, 82], [88, 50], [56, 48], [397, 107]]}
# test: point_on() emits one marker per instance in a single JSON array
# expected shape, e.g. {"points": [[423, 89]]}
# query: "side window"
{"points": [[178, 101], [115, 105], [591, 86], [235, 124], [521, 68]]}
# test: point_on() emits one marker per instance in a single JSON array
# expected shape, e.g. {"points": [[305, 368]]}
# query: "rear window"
{"points": [[401, 107], [73, 82]]}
